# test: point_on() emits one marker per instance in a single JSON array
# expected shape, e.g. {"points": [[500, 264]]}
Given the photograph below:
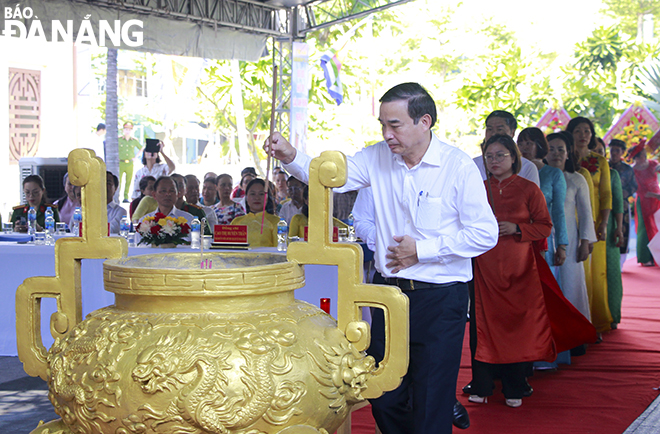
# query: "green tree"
{"points": [[602, 79], [508, 80], [216, 89], [630, 13]]}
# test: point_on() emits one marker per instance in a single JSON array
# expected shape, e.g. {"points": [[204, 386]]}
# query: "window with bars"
{"points": [[24, 113]]}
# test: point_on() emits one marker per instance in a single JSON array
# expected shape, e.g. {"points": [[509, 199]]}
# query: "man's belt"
{"points": [[412, 285]]}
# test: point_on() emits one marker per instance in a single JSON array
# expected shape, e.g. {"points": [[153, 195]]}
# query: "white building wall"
{"points": [[59, 126]]}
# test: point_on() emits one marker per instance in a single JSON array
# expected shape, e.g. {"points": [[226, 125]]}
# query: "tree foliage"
{"points": [[508, 79], [630, 13]]}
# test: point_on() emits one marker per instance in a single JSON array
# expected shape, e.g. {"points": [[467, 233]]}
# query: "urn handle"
{"points": [[326, 172], [87, 171]]}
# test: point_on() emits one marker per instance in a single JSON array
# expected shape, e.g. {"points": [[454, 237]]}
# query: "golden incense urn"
{"points": [[191, 349]]}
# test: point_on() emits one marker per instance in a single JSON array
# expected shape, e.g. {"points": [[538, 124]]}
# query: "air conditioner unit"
{"points": [[51, 170]]}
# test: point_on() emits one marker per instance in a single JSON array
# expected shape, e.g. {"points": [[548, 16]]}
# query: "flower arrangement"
{"points": [[635, 132], [161, 229]]}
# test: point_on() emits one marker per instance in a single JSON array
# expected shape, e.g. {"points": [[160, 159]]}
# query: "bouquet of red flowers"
{"points": [[161, 229]]}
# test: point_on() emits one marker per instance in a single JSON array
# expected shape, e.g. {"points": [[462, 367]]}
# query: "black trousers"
{"points": [[424, 401], [512, 375]]}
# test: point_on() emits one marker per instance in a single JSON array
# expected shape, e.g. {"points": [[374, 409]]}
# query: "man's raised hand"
{"points": [[278, 147]]}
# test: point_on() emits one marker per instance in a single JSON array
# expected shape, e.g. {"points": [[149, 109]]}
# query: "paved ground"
{"points": [[23, 399]]}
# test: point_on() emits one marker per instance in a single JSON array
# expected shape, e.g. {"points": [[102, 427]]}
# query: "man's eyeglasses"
{"points": [[496, 157]]}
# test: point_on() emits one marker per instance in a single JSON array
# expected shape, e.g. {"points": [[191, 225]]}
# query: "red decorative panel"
{"points": [[24, 113]]}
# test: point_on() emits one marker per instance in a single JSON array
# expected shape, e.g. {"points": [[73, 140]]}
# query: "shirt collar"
{"points": [[432, 155]]}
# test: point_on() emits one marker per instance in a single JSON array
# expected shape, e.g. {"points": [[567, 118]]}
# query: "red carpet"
{"points": [[602, 392]]}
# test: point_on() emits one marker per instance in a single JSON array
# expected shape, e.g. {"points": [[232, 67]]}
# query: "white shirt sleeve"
{"points": [[115, 214], [363, 218]]}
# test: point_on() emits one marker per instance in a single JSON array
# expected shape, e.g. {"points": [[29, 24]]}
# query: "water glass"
{"points": [[60, 228], [342, 235], [207, 241], [7, 227], [131, 239], [39, 238]]}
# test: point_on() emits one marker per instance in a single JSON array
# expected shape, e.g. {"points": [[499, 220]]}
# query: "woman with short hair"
{"points": [[511, 318]]}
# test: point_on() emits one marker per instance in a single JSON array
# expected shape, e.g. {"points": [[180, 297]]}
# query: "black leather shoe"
{"points": [[467, 389], [461, 417]]}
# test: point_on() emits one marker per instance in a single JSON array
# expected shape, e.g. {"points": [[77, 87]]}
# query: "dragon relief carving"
{"points": [[344, 372], [200, 373], [78, 395]]}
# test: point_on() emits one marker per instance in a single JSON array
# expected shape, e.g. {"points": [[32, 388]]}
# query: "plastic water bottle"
{"points": [[195, 233], [124, 227], [32, 221], [50, 221], [351, 228], [77, 220], [282, 235]]}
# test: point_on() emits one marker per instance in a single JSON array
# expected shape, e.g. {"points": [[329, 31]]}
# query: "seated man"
{"points": [[115, 211], [198, 211], [293, 206], [166, 195]]}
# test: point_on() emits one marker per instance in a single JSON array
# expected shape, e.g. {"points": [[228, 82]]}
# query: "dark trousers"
{"points": [[512, 375], [424, 401]]}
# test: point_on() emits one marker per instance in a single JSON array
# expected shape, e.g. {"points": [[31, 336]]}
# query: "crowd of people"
{"points": [[533, 218], [539, 246]]}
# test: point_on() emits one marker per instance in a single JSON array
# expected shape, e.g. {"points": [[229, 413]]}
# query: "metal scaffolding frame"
{"points": [[284, 21], [318, 15], [307, 18], [244, 15]]}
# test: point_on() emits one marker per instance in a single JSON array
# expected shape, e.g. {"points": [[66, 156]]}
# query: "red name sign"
{"points": [[335, 234], [230, 234]]}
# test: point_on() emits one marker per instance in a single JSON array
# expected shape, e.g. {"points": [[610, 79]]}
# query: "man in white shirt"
{"points": [[503, 122], [295, 203], [166, 194], [431, 218], [198, 211], [115, 211], [97, 141]]}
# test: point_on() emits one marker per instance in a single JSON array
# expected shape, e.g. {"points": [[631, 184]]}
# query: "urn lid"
{"points": [[177, 274]]}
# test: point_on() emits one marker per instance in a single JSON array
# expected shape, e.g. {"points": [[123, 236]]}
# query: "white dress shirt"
{"points": [[211, 218], [528, 170], [288, 210], [363, 218], [115, 214], [441, 203]]}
